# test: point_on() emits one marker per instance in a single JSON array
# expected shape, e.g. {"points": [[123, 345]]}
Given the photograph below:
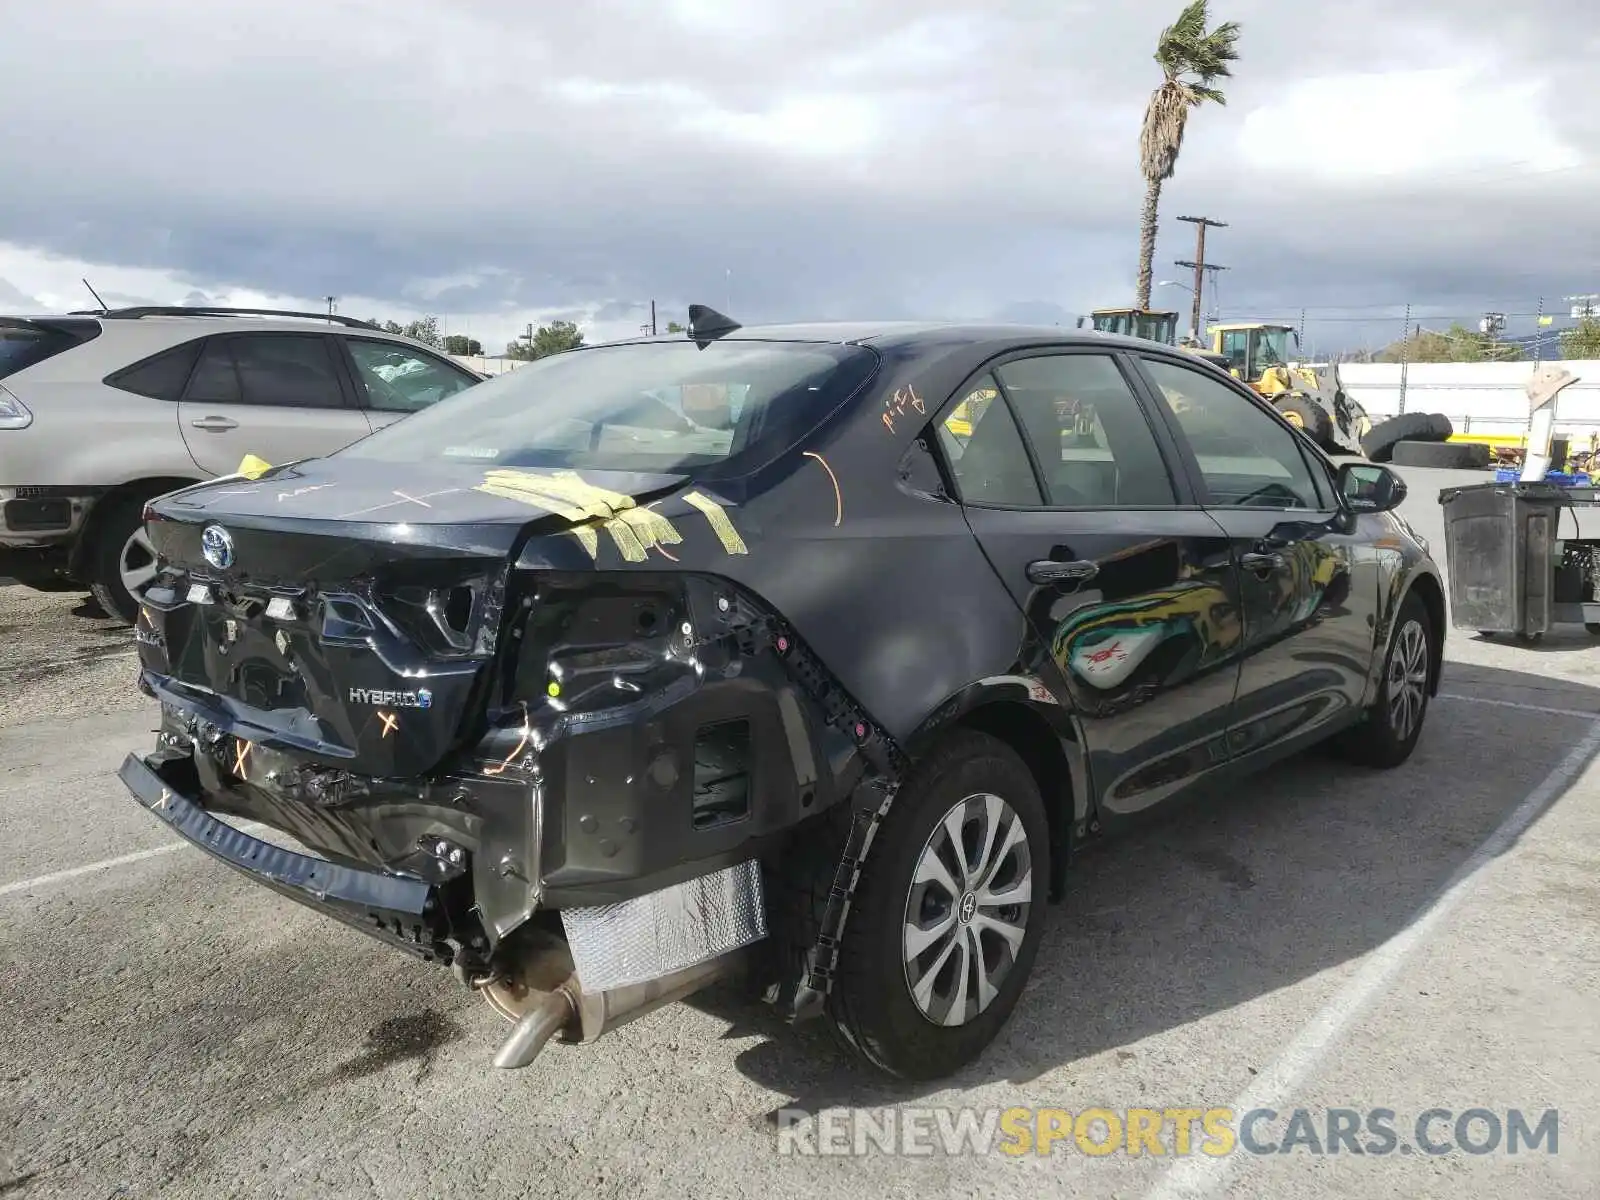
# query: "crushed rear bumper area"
{"points": [[406, 913]]}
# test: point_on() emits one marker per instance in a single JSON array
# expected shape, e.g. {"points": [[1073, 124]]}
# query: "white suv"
{"points": [[100, 412]]}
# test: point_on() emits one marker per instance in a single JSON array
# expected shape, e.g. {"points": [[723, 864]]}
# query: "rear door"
{"points": [[393, 379], [1073, 493], [1310, 597], [279, 396]]}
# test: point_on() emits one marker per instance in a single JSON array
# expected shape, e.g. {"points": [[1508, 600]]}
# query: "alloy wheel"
{"points": [[1408, 679], [137, 562], [967, 911]]}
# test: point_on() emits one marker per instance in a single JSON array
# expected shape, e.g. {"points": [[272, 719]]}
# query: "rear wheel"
{"points": [[121, 560], [948, 913]]}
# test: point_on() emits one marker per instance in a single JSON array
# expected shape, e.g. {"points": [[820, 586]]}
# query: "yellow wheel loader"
{"points": [[1309, 396]]}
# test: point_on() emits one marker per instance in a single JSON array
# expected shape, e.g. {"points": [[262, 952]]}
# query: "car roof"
{"points": [[922, 335]]}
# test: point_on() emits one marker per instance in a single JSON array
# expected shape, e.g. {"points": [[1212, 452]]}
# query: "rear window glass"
{"points": [[21, 346], [652, 406]]}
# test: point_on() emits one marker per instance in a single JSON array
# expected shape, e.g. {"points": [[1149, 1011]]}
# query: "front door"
{"points": [[278, 396], [1310, 602], [1126, 583]]}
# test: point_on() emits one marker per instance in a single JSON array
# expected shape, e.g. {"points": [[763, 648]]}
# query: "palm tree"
{"points": [[1192, 59]]}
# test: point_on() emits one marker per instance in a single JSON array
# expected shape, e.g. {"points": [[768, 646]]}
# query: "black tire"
{"points": [[114, 525], [1407, 427], [871, 1004], [1384, 739], [1311, 417], [1460, 456]]}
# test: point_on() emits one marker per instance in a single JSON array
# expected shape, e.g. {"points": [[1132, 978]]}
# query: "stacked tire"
{"points": [[1422, 440]]}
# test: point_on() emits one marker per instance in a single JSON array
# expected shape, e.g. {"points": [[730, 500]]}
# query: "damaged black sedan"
{"points": [[809, 654]]}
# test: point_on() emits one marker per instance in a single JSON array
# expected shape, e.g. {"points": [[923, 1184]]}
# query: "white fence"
{"points": [[1483, 398], [489, 366]]}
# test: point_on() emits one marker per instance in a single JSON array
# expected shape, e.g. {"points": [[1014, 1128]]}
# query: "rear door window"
{"points": [[283, 370], [1093, 441]]}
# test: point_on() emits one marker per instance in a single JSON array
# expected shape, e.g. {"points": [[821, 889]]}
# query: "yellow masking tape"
{"points": [[589, 539], [651, 527], [252, 467], [720, 525], [634, 530]]}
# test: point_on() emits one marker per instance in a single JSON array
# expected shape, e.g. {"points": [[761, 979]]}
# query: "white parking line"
{"points": [[105, 864], [1538, 708], [1194, 1177]]}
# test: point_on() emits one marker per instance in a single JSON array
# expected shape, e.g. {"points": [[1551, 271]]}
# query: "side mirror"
{"points": [[1369, 487]]}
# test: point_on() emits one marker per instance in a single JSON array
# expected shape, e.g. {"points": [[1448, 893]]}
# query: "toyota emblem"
{"points": [[217, 545]]}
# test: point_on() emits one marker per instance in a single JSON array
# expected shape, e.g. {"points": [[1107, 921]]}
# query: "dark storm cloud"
{"points": [[954, 160]]}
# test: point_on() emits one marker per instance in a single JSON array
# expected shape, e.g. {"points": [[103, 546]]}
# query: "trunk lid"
{"points": [[344, 610]]}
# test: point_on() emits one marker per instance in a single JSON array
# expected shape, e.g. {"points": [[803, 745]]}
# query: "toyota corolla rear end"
{"points": [[492, 751]]}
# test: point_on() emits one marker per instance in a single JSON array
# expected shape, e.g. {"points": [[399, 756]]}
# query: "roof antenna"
{"points": [[96, 296], [706, 324]]}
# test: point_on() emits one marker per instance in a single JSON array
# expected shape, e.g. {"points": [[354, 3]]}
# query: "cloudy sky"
{"points": [[499, 162]]}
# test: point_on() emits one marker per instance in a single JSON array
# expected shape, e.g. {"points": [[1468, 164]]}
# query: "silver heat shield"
{"points": [[615, 945]]}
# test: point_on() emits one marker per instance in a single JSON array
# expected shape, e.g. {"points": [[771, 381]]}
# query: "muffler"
{"points": [[574, 1015], [621, 961]]}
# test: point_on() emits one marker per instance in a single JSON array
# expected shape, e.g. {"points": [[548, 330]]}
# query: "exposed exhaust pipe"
{"points": [[579, 1016], [546, 1018]]}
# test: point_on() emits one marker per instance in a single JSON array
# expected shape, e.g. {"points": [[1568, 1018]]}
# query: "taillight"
{"points": [[14, 413]]}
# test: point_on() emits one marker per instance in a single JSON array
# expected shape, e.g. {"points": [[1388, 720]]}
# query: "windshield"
{"points": [[1273, 348], [647, 406]]}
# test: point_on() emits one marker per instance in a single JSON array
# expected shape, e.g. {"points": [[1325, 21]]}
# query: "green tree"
{"points": [[1582, 342], [460, 343], [1456, 344], [1192, 59], [553, 338], [424, 330], [674, 327]]}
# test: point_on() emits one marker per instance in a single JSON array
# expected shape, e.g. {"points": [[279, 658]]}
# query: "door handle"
{"points": [[1048, 570], [1261, 561], [215, 424]]}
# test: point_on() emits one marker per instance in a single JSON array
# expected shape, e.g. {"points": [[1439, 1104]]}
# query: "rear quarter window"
{"points": [[161, 376]]}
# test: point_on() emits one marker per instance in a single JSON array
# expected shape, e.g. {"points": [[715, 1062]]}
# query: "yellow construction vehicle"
{"points": [[1153, 325], [1311, 397]]}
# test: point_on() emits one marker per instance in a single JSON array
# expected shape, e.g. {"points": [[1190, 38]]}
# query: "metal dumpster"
{"points": [[1510, 571]]}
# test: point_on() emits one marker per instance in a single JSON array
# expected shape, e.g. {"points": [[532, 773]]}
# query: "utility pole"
{"points": [[1201, 270], [330, 300], [1199, 264], [1405, 356], [652, 318]]}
